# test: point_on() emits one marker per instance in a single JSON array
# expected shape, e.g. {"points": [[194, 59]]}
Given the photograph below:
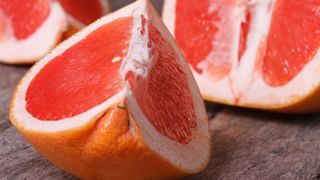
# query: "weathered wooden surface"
{"points": [[246, 144]]}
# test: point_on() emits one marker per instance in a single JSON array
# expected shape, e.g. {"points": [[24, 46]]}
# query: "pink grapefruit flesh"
{"points": [[160, 96], [2, 26], [196, 48], [206, 35], [82, 69], [244, 34], [85, 11], [292, 41], [21, 14]]}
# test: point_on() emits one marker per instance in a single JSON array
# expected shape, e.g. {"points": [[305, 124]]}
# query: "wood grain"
{"points": [[246, 144]]}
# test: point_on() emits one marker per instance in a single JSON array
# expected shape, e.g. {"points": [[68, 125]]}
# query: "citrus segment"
{"points": [[91, 65], [293, 41], [164, 96], [21, 14], [196, 42], [207, 45], [85, 11]]}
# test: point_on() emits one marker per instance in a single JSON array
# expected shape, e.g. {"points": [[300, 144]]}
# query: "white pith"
{"points": [[244, 84], [224, 39], [79, 25], [190, 157], [139, 55], [37, 44]]}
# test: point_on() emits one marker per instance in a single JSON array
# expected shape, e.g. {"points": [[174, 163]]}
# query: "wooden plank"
{"points": [[18, 160], [248, 144]]}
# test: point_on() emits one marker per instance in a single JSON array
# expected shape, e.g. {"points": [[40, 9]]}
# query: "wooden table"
{"points": [[246, 144]]}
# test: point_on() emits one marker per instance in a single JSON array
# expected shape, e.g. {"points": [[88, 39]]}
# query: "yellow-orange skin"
{"points": [[307, 104], [111, 147]]}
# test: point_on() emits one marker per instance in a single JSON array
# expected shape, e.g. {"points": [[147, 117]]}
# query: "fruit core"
{"points": [[26, 17], [86, 11]]}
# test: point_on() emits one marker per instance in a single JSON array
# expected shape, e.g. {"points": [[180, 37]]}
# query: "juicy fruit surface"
{"points": [[83, 76], [245, 25], [207, 40], [293, 40], [26, 17], [196, 41], [2, 26], [164, 95], [86, 11]]}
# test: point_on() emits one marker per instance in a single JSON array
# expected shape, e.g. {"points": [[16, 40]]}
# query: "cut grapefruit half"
{"points": [[29, 29], [81, 13], [259, 54], [116, 101]]}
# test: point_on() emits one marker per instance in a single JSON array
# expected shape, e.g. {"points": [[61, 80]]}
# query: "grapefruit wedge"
{"points": [[29, 29], [259, 54], [116, 101], [81, 13]]}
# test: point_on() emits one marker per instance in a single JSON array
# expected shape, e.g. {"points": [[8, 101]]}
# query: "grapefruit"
{"points": [[116, 101], [29, 29], [259, 54], [81, 13]]}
